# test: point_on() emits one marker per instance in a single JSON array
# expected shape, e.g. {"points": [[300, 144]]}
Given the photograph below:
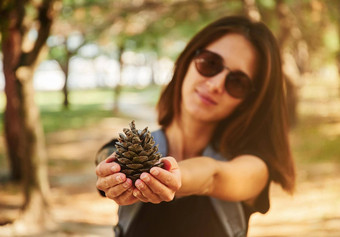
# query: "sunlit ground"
{"points": [[314, 209]]}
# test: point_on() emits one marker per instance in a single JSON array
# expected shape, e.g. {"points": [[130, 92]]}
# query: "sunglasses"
{"points": [[209, 64]]}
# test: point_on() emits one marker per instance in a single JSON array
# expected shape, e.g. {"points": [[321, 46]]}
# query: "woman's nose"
{"points": [[216, 83]]}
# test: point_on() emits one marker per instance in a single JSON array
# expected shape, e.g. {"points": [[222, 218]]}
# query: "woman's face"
{"points": [[205, 98]]}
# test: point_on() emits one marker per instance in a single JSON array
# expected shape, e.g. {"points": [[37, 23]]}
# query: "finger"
{"points": [[156, 187], [118, 190], [147, 192], [170, 163], [111, 157], [170, 179], [126, 198], [107, 167], [107, 182], [139, 195]]}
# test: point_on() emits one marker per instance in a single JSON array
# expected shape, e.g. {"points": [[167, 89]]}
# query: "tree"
{"points": [[23, 130], [75, 21], [94, 22], [63, 53], [105, 21]]}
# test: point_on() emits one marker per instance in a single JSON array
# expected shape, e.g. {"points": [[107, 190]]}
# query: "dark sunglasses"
{"points": [[209, 64]]}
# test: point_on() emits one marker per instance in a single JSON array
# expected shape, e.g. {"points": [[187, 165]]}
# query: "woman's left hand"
{"points": [[160, 184]]}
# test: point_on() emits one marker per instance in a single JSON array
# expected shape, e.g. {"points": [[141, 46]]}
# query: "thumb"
{"points": [[169, 163]]}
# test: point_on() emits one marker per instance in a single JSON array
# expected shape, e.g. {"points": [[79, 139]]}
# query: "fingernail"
{"points": [[135, 193], [139, 184], [145, 177], [119, 178], [115, 168], [154, 172], [126, 184]]}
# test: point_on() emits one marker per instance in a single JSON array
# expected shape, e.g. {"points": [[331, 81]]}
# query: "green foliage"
{"points": [[269, 4], [330, 39], [171, 31], [58, 53]]}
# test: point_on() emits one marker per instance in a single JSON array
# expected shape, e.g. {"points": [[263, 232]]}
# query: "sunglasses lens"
{"points": [[237, 84], [208, 64]]}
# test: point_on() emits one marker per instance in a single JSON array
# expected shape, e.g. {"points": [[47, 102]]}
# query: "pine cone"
{"points": [[136, 152]]}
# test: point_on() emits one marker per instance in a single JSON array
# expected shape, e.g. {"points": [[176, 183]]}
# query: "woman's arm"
{"points": [[240, 179]]}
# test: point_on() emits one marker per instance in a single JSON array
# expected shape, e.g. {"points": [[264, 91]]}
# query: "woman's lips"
{"points": [[206, 99]]}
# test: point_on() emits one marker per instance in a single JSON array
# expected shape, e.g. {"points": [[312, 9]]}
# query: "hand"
{"points": [[115, 184], [161, 184]]}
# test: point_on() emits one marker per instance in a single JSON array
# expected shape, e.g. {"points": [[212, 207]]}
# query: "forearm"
{"points": [[240, 179], [198, 175], [105, 151]]}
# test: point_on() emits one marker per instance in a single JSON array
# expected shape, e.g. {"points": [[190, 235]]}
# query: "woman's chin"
{"points": [[205, 116]]}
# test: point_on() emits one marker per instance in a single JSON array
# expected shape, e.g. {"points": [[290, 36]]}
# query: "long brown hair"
{"points": [[259, 125]]}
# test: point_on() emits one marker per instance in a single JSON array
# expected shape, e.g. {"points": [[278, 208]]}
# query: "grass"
{"points": [[77, 117]]}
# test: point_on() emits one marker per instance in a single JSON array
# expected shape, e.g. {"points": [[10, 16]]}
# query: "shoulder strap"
{"points": [[126, 215], [231, 214], [160, 139]]}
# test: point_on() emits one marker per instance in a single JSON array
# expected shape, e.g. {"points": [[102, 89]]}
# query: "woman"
{"points": [[224, 135]]}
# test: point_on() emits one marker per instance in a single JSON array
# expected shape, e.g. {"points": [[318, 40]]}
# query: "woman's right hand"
{"points": [[115, 184]]}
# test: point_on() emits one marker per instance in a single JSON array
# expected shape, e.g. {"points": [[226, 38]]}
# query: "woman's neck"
{"points": [[188, 138]]}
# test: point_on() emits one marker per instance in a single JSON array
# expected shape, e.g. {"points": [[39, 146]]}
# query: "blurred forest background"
{"points": [[75, 72]]}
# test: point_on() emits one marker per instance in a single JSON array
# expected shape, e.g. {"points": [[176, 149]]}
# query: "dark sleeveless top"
{"points": [[187, 216]]}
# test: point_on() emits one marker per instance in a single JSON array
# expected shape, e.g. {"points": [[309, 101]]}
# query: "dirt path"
{"points": [[79, 210]]}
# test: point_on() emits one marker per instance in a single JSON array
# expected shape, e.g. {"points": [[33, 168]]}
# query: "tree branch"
{"points": [[45, 19]]}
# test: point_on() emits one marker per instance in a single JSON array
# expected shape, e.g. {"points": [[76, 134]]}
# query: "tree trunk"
{"points": [[66, 103], [64, 64], [12, 125], [23, 130], [34, 165], [65, 68], [118, 88], [153, 60]]}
